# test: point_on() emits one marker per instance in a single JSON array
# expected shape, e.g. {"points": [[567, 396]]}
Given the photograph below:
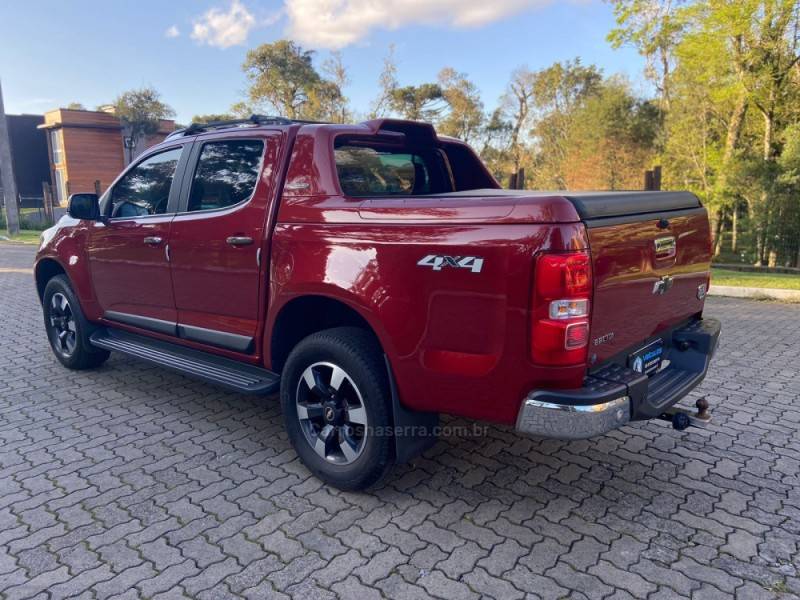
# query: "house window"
{"points": [[61, 187], [58, 148]]}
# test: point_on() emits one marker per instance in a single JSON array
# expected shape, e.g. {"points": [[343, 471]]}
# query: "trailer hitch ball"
{"points": [[680, 421], [702, 409]]}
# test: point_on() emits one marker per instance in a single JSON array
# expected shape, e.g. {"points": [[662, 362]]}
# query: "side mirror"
{"points": [[84, 206]]}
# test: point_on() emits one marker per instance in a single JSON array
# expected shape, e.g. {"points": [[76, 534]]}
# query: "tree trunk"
{"points": [[735, 124], [718, 221], [734, 227], [7, 179], [769, 120], [664, 80]]}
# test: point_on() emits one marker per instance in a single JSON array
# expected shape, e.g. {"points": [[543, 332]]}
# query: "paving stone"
{"points": [[634, 584], [439, 585], [444, 538], [351, 587], [490, 586], [253, 574], [462, 560], [285, 547], [339, 568], [167, 578], [325, 545], [742, 544], [584, 553], [380, 565], [80, 583], [210, 576], [395, 586], [502, 557], [123, 581], [296, 571], [242, 549], [571, 579]]}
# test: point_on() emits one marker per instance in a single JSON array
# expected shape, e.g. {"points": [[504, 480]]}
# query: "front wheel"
{"points": [[335, 399], [67, 328]]}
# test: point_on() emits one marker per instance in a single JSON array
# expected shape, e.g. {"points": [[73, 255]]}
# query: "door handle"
{"points": [[239, 240], [153, 240]]}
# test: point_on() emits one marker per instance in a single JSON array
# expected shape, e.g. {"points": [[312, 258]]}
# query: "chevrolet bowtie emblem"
{"points": [[663, 285]]}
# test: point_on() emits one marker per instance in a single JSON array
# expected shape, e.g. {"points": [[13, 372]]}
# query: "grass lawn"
{"points": [[27, 236], [757, 280]]}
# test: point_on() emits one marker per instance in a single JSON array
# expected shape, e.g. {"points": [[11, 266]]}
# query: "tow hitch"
{"points": [[681, 419]]}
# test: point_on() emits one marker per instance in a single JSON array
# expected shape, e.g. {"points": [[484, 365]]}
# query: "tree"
{"points": [[464, 117], [515, 105], [282, 77], [611, 139], [338, 79], [387, 83], [557, 93], [424, 102], [75, 106], [734, 91], [496, 149], [654, 28], [534, 119], [141, 110]]}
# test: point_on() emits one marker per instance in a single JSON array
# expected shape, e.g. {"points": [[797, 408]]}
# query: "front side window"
{"points": [[144, 190], [376, 171], [226, 174]]}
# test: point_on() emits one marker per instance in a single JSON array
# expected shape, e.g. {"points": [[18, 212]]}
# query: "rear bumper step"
{"points": [[614, 394], [194, 363]]}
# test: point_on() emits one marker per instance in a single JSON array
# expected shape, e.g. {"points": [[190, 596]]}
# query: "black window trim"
{"points": [[174, 190], [191, 170]]}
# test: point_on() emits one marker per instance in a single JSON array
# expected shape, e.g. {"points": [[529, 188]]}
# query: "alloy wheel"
{"points": [[63, 330], [332, 413]]}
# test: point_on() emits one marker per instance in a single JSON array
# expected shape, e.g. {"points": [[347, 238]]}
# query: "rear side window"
{"points": [[226, 173], [368, 171]]}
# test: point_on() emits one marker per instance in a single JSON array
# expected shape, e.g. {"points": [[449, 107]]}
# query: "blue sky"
{"points": [[55, 52]]}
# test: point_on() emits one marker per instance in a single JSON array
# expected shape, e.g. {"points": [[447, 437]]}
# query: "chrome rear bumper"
{"points": [[569, 421], [613, 394]]}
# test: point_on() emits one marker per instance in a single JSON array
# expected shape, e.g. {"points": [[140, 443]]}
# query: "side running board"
{"points": [[194, 363]]}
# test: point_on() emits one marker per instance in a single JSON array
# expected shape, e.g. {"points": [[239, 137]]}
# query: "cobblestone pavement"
{"points": [[133, 482]]}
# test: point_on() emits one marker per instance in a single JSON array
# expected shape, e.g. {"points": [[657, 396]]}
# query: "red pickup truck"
{"points": [[377, 275]]}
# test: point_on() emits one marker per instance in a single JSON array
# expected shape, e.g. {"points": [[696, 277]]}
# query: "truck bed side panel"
{"points": [[457, 340]]}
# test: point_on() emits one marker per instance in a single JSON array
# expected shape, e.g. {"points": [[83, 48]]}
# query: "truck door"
{"points": [[217, 239], [128, 254]]}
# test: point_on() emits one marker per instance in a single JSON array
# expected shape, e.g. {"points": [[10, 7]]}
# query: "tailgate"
{"points": [[648, 275]]}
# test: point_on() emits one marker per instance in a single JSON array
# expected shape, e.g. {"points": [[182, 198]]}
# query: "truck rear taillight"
{"points": [[560, 308]]}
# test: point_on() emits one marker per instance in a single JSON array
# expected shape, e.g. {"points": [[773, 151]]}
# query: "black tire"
{"points": [[67, 328], [357, 353]]}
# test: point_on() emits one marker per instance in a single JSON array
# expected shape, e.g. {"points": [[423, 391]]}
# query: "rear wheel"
{"points": [[335, 399], [67, 328]]}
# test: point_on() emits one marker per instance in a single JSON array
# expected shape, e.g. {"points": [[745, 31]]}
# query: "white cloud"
{"points": [[224, 29], [338, 23], [172, 31]]}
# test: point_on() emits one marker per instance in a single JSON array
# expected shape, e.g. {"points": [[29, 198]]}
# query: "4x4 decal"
{"points": [[437, 262]]}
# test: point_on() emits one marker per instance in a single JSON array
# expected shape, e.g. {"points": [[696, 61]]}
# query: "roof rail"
{"points": [[251, 120]]}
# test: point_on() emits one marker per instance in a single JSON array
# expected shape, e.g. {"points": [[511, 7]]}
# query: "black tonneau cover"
{"points": [[602, 205]]}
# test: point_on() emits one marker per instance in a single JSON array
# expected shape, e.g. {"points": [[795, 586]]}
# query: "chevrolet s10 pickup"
{"points": [[377, 276]]}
